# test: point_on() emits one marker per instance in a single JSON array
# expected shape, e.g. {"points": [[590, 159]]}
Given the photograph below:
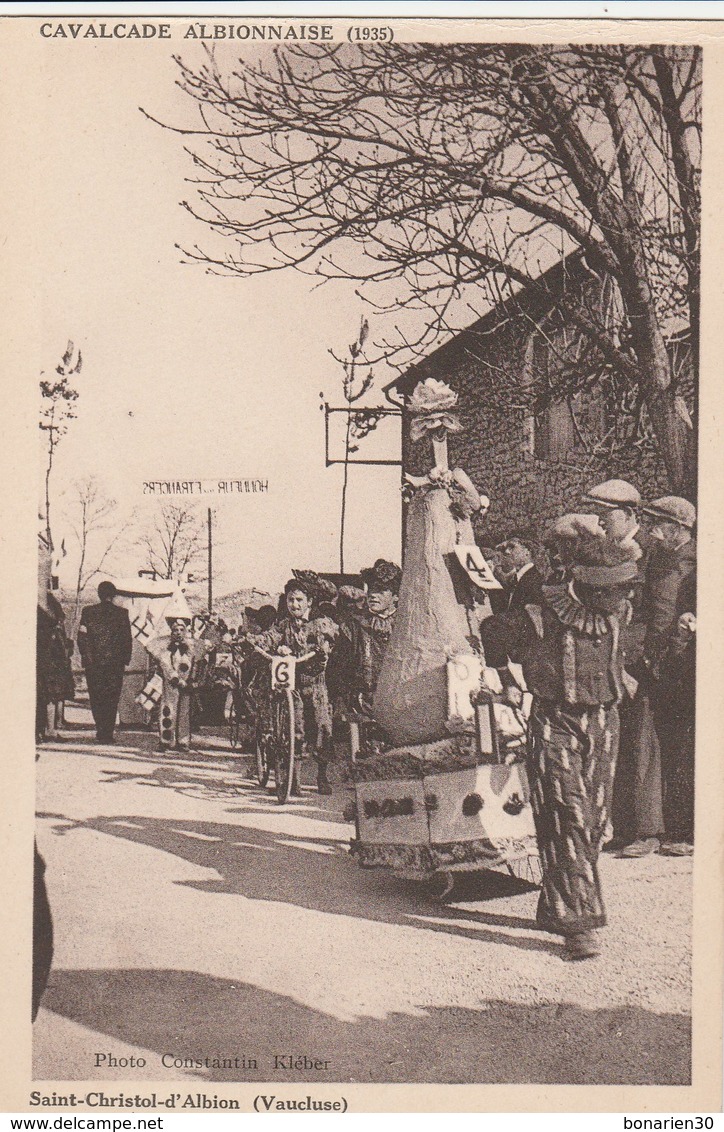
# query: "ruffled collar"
{"points": [[381, 624], [573, 614]]}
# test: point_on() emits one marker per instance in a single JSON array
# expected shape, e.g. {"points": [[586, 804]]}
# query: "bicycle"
{"points": [[276, 735]]}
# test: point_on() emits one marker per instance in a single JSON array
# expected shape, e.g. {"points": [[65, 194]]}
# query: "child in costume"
{"points": [[178, 656]]}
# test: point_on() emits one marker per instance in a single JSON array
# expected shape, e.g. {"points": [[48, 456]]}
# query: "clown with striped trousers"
{"points": [[571, 650]]}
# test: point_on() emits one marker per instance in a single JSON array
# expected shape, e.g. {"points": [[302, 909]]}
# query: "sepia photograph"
{"points": [[365, 379]]}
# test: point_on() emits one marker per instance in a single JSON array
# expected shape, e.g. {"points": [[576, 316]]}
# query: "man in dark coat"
{"points": [[674, 702], [523, 587], [668, 668], [42, 933], [670, 588], [667, 592], [516, 558], [105, 643]]}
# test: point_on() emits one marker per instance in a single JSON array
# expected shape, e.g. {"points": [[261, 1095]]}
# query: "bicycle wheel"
{"points": [[526, 868], [283, 718], [261, 746]]}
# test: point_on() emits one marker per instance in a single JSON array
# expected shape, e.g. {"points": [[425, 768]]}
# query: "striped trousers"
{"points": [[571, 762]]}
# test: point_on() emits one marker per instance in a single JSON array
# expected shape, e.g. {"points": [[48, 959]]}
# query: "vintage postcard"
{"points": [[363, 432]]}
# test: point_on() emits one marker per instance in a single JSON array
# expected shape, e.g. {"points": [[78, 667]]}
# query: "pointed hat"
{"points": [[177, 608]]}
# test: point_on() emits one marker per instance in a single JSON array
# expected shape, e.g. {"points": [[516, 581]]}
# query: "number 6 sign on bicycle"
{"points": [[281, 740], [283, 672]]}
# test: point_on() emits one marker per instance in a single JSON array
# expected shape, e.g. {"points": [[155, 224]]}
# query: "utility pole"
{"points": [[210, 562]]}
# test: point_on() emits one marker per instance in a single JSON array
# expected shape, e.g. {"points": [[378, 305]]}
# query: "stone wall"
{"points": [[495, 447]]}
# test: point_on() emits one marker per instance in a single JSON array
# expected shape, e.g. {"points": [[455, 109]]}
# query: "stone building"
{"points": [[535, 462]]}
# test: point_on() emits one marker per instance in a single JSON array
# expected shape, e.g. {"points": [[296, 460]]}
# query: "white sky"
{"points": [[185, 375]]}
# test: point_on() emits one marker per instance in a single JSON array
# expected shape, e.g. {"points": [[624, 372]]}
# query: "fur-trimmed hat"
{"points": [[302, 585], [603, 563], [383, 575], [571, 528], [565, 534], [320, 589]]}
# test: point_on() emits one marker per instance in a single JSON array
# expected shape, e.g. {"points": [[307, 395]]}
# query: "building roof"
{"points": [[537, 298]]}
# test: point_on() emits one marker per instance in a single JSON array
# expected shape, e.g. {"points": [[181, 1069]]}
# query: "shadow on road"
{"points": [[315, 873], [192, 774], [191, 1015]]}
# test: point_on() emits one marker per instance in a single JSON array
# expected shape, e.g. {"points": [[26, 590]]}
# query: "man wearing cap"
{"points": [[637, 811], [668, 591], [356, 659], [668, 668], [570, 650], [616, 502], [670, 588], [105, 644], [177, 655]]}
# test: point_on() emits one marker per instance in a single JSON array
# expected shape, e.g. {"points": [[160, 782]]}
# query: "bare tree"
{"points": [[97, 531], [174, 540], [461, 172], [58, 399]]}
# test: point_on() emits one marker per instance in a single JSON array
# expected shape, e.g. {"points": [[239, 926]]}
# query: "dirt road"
{"points": [[196, 920]]}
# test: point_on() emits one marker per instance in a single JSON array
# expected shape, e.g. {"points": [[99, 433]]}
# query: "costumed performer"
{"points": [[178, 656], [570, 649]]}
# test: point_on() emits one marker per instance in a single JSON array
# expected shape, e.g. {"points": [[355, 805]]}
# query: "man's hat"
{"points": [[614, 493], [673, 509], [524, 536]]}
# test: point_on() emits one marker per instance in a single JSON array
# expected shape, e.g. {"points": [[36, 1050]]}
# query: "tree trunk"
{"points": [[675, 442], [48, 471], [673, 435], [620, 223], [688, 193]]}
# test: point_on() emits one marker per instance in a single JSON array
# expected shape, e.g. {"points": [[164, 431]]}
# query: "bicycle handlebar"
{"points": [[276, 656]]}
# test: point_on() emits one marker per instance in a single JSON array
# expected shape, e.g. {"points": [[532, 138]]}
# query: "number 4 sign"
{"points": [[476, 567]]}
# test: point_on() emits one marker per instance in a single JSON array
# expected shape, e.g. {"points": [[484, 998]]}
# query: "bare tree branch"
{"points": [[459, 173]]}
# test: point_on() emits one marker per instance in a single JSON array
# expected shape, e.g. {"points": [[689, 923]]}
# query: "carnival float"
{"points": [[448, 791]]}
